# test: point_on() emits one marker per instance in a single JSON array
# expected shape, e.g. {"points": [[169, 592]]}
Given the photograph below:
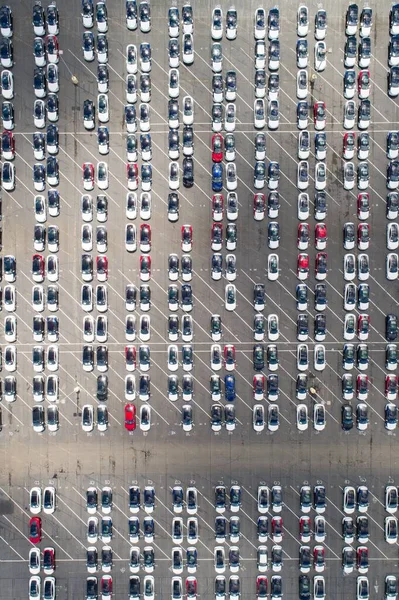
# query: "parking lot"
{"points": [[70, 458]]}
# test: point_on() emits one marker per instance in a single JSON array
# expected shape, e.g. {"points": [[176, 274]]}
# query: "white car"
{"points": [[320, 60], [273, 267], [7, 84], [259, 113], [349, 175], [131, 89], [10, 358], [260, 24], [174, 175], [102, 175], [8, 176], [349, 114], [52, 78], [392, 236], [273, 114], [188, 48], [302, 357], [231, 177], [391, 529], [303, 175], [302, 417], [320, 176], [230, 117], [391, 499], [363, 267], [35, 500], [260, 54], [302, 21], [188, 110], [145, 417], [131, 59], [349, 267], [319, 357], [392, 266], [102, 108], [319, 417], [302, 80], [273, 327], [230, 297], [174, 83], [217, 23]]}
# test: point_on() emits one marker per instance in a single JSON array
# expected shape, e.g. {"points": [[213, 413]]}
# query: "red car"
{"points": [[52, 47], [321, 266], [303, 236], [363, 84], [88, 176], [363, 327], [130, 358], [191, 587], [320, 236], [259, 207], [319, 558], [35, 530], [391, 387], [362, 386], [48, 561], [217, 207], [130, 417], [145, 268], [106, 586], [258, 386], [8, 145], [217, 147], [349, 145], [319, 114], [102, 268], [261, 586], [363, 206], [186, 238], [37, 268], [229, 354], [132, 173], [362, 559], [303, 266]]}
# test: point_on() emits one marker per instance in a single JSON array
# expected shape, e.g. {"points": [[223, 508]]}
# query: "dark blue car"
{"points": [[217, 177], [229, 388]]}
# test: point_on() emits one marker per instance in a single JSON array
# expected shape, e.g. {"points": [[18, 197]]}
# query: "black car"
{"points": [[302, 326], [103, 77], [258, 355], [102, 388], [304, 587], [188, 172], [52, 137], [347, 417], [391, 327], [89, 111], [320, 326], [188, 140], [320, 295]]}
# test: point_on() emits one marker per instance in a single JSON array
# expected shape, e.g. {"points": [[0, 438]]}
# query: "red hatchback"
{"points": [[320, 236], [217, 147], [8, 145], [130, 417], [102, 268], [132, 173], [37, 268], [229, 354], [261, 586], [303, 266], [35, 530], [88, 176], [191, 587], [130, 357]]}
